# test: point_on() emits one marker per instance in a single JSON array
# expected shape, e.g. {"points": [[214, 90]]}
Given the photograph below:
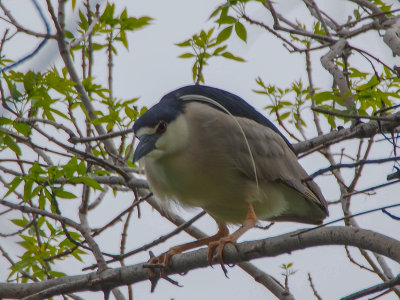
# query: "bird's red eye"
{"points": [[162, 126]]}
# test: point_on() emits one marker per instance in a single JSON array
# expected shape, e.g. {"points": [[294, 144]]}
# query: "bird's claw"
{"points": [[161, 263], [220, 245]]}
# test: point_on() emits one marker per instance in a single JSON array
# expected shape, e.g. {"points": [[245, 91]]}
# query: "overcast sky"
{"points": [[149, 70]]}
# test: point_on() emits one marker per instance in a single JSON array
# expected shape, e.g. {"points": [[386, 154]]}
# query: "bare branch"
{"points": [[352, 165], [374, 289], [182, 263], [391, 37], [313, 287], [358, 117], [20, 28], [295, 29], [358, 131], [108, 135], [84, 36], [327, 61]]}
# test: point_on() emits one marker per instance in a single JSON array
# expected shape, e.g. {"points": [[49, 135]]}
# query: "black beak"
{"points": [[147, 143]]}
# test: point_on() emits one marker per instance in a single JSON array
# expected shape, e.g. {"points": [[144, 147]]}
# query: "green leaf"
{"points": [[84, 23], [186, 43], [68, 34], [124, 14], [22, 128], [97, 46], [56, 274], [354, 73], [50, 227], [194, 71], [48, 195], [219, 50], [82, 168], [20, 222], [108, 13], [226, 20], [132, 23], [70, 168], [260, 92], [30, 80], [241, 31], [12, 145], [64, 194], [224, 35], [66, 243], [123, 39], [143, 110], [215, 12], [229, 55], [28, 189], [87, 181], [5, 121], [284, 115], [131, 113], [36, 169], [75, 235], [59, 113], [13, 185], [36, 191], [42, 201], [76, 255], [209, 33], [323, 96], [15, 94], [186, 55]]}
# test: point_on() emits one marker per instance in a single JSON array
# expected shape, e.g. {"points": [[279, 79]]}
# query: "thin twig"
{"points": [[356, 263], [358, 117], [313, 287], [352, 165], [159, 240], [109, 135]]}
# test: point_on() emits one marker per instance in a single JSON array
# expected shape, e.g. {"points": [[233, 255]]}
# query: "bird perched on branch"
{"points": [[205, 147]]}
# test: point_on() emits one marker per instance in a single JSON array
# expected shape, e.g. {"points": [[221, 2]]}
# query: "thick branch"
{"points": [[182, 263], [374, 289], [338, 49], [391, 37], [362, 130]]}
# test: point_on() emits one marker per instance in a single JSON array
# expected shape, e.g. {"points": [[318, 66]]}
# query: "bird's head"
{"points": [[162, 130]]}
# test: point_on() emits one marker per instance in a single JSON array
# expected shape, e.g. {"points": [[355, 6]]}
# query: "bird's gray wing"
{"points": [[274, 162]]}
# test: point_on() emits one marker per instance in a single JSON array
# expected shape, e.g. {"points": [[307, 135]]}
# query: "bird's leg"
{"points": [[165, 257], [249, 222]]}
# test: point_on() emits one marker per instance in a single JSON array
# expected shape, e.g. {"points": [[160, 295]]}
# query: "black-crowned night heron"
{"points": [[205, 147]]}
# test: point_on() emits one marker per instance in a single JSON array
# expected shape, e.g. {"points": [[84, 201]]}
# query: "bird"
{"points": [[205, 147]]}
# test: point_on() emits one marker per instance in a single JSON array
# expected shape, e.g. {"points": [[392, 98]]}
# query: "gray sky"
{"points": [[149, 70]]}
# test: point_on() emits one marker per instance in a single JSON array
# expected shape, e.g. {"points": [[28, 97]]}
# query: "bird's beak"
{"points": [[147, 143]]}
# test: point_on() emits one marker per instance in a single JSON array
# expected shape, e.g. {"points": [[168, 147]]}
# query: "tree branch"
{"points": [[338, 49], [182, 263], [374, 289], [359, 131]]}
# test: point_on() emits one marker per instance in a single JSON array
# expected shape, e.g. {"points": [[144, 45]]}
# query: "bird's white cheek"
{"points": [[155, 154], [174, 138]]}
